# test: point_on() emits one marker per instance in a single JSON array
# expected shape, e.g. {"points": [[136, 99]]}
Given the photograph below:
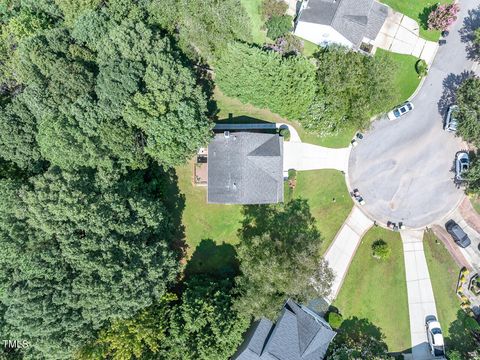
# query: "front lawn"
{"points": [[377, 290], [248, 112], [252, 7], [418, 10], [405, 76], [444, 275], [328, 198]]}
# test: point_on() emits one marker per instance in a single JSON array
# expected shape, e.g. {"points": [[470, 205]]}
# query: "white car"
{"points": [[451, 120], [435, 338], [462, 164], [401, 110]]}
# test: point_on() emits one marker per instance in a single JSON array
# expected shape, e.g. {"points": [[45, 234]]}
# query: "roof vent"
{"points": [[226, 134]]}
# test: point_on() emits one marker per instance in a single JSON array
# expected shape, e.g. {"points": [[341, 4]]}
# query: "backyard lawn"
{"points": [[246, 112], [253, 10], [417, 10], [376, 290], [405, 76]]}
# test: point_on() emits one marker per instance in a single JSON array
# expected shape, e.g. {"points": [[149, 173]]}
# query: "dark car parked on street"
{"points": [[457, 233]]}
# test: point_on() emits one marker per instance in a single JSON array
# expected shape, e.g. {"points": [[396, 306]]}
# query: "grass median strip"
{"points": [[376, 289]]}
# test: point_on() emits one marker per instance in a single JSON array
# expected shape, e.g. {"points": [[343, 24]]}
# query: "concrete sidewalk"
{"points": [[303, 156], [341, 251], [421, 302]]}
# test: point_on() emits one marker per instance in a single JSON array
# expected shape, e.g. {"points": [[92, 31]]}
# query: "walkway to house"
{"points": [[303, 156], [400, 34], [340, 253], [421, 302]]}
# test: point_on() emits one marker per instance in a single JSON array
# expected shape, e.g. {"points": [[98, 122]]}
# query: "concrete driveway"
{"points": [[303, 156], [403, 168], [421, 301], [400, 34]]}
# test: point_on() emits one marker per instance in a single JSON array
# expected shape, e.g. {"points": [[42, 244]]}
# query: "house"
{"points": [[299, 334], [245, 168], [351, 23]]}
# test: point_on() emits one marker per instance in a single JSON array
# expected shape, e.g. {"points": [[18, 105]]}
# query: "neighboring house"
{"points": [[245, 168], [299, 334], [351, 23]]}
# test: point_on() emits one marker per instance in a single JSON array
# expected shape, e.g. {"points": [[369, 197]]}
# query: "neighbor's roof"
{"points": [[354, 19], [299, 334], [245, 168]]}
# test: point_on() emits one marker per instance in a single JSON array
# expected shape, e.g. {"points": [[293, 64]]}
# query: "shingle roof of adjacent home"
{"points": [[245, 168], [299, 334], [354, 19]]}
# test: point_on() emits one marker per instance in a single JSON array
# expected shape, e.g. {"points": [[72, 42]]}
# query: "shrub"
{"points": [[288, 44], [334, 319], [278, 26], [285, 132], [443, 16], [285, 85], [271, 8], [476, 37], [381, 250], [421, 67]]}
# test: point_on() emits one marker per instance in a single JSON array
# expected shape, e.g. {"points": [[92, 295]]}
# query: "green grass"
{"points": [[405, 76], [444, 275], [320, 187], [253, 10], [309, 48], [476, 203], [417, 10], [247, 112], [376, 290], [205, 221]]}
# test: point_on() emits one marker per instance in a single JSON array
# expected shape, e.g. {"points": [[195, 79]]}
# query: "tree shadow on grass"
{"points": [[174, 202], [470, 24], [450, 86], [423, 16], [218, 261]]}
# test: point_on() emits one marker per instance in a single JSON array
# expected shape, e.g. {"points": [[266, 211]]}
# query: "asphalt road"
{"points": [[403, 168]]}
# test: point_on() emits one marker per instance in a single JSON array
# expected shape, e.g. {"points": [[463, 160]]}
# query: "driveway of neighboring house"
{"points": [[421, 301], [400, 34], [472, 252], [404, 168], [340, 253]]}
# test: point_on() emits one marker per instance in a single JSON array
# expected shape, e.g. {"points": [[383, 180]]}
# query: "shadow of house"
{"points": [[218, 261], [467, 33], [242, 119]]}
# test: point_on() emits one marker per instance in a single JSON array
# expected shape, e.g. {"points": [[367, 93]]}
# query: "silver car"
{"points": [[462, 164], [451, 121]]}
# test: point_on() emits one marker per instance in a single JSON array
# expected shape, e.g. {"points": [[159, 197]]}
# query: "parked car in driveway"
{"points": [[462, 163], [457, 233], [401, 110], [435, 338], [451, 121]]}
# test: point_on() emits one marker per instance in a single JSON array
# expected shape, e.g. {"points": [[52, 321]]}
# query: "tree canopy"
{"points": [[78, 250], [285, 85], [468, 101], [278, 260]]}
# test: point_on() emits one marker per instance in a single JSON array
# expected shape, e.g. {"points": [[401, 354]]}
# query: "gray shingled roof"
{"points": [[299, 334], [354, 19], [245, 168]]}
